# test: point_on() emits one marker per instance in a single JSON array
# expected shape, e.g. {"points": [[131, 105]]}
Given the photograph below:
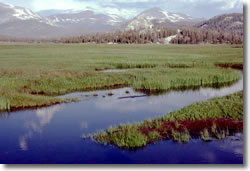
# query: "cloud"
{"points": [[130, 8], [46, 114]]}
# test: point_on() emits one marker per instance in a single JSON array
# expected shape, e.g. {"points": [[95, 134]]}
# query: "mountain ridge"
{"points": [[156, 17], [22, 22], [224, 22]]}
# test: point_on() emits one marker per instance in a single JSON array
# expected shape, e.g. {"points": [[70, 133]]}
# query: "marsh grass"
{"points": [[181, 65], [222, 134], [130, 138], [4, 104], [180, 136], [34, 74], [225, 107], [218, 117], [205, 136], [154, 136], [132, 65], [233, 65]]}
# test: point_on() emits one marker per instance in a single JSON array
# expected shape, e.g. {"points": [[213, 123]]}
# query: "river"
{"points": [[53, 134]]}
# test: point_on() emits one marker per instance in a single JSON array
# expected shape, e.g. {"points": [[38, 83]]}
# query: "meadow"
{"points": [[32, 75]]}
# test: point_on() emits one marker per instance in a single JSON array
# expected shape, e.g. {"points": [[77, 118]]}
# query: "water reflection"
{"points": [[209, 92], [83, 125], [162, 103], [234, 143], [35, 125], [52, 134], [23, 143], [45, 115]]}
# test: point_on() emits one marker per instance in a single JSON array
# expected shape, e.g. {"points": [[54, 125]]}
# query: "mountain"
{"points": [[46, 13], [226, 22], [86, 21], [156, 17], [22, 22], [10, 13], [19, 22]]}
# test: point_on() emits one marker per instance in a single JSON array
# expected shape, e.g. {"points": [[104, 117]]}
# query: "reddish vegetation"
{"points": [[193, 126], [38, 93], [27, 89], [110, 94], [105, 68], [36, 82], [233, 66]]}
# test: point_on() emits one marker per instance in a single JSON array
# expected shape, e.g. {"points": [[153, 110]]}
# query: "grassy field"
{"points": [[218, 117], [31, 75]]}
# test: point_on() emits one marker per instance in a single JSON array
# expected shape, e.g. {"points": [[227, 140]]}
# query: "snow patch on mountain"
{"points": [[8, 5], [25, 14], [87, 18], [14, 13], [115, 20], [154, 17], [140, 22]]}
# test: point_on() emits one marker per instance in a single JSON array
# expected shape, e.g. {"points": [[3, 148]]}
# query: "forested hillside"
{"points": [[162, 36]]}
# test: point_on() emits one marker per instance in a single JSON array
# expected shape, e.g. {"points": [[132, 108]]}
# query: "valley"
{"points": [[139, 82]]}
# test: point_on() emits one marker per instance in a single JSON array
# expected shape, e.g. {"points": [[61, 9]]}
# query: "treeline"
{"points": [[27, 40], [156, 36], [208, 36], [162, 35]]}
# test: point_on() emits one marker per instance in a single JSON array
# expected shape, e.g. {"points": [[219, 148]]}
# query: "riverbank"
{"points": [[218, 117], [35, 135], [33, 75]]}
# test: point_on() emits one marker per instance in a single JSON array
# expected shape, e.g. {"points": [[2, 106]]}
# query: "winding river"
{"points": [[53, 134]]}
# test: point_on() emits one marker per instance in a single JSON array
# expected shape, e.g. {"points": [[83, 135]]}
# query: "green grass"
{"points": [[217, 118], [33, 74], [131, 138], [205, 136], [180, 136], [226, 107]]}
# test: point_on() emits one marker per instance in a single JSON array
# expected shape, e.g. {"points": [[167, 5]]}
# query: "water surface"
{"points": [[53, 134]]}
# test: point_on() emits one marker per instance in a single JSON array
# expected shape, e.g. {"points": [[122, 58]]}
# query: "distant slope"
{"points": [[9, 13], [46, 13], [156, 17], [226, 22], [19, 22], [86, 21], [22, 22]]}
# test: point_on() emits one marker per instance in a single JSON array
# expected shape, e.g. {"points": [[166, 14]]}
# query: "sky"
{"points": [[131, 8]]}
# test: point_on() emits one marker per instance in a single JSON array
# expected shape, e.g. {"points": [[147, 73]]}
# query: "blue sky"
{"points": [[130, 8]]}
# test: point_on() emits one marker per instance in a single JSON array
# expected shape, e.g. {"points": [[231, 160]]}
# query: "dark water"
{"points": [[53, 134]]}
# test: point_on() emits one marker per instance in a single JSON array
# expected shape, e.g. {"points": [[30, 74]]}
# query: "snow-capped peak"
{"points": [[154, 17], [114, 19], [25, 14], [8, 5], [15, 13], [158, 14], [19, 12]]}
